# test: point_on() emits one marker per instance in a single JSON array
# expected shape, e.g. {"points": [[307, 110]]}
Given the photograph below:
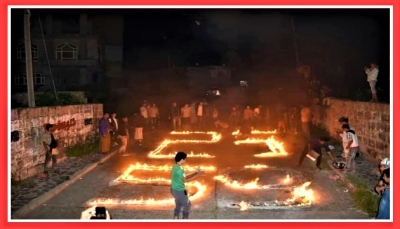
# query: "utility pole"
{"points": [[28, 58]]}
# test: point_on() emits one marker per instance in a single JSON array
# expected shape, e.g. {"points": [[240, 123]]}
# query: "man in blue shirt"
{"points": [[316, 145], [384, 204]]}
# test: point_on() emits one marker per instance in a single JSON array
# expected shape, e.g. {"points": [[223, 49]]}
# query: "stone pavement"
{"points": [[29, 189], [333, 200], [34, 187], [366, 170]]}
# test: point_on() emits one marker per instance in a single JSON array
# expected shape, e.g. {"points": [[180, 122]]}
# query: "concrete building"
{"points": [[73, 48], [203, 78]]}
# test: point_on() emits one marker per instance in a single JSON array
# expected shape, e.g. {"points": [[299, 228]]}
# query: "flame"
{"points": [[250, 185], [215, 137], [201, 189], [256, 132], [126, 175], [277, 149], [258, 166], [250, 141], [243, 206], [301, 193], [287, 179]]}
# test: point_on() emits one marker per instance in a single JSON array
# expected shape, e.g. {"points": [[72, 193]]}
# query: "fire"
{"points": [[250, 185], [301, 195], [277, 149], [126, 175], [243, 206], [256, 132], [287, 179], [201, 189], [215, 137], [258, 166], [250, 141]]}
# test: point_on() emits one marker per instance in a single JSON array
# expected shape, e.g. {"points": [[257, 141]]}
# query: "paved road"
{"points": [[331, 199]]}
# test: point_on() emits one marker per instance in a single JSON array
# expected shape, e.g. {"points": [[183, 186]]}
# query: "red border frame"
{"points": [[4, 104]]}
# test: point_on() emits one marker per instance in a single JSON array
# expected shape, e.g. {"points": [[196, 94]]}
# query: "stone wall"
{"points": [[371, 122], [72, 124]]}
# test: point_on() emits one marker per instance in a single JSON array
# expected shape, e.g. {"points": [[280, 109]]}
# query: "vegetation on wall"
{"points": [[83, 148], [49, 99]]}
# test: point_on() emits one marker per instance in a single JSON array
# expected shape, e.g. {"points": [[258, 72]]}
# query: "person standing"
{"points": [[154, 115], [50, 145], [382, 184], [372, 77], [175, 116], [113, 128], [178, 189], [139, 122], [306, 116], [123, 135], [234, 117], [200, 112], [352, 146], [384, 203], [104, 133], [185, 113]]}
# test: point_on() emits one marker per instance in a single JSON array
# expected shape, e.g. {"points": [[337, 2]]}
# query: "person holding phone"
{"points": [[178, 189]]}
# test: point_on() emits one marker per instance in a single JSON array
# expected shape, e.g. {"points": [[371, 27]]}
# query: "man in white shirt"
{"points": [[372, 77], [200, 114], [352, 146]]}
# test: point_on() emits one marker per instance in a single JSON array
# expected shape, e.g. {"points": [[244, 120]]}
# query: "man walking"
{"points": [[178, 189]]}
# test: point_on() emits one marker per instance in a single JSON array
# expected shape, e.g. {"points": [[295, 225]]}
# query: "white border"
{"points": [[390, 7]]}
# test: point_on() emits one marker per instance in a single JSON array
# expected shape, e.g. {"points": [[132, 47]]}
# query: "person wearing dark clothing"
{"points": [[138, 122], [113, 128], [50, 145], [316, 145], [175, 116], [384, 203], [123, 134]]}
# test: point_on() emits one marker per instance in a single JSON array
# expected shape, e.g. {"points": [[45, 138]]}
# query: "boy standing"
{"points": [[178, 189], [352, 147]]}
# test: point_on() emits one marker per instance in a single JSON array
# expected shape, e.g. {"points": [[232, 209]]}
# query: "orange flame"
{"points": [[125, 176], [201, 189], [243, 206], [256, 132], [277, 149], [215, 137], [258, 166], [250, 185], [301, 193]]}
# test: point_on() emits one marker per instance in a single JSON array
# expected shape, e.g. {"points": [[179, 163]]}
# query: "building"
{"points": [[204, 78], [71, 49]]}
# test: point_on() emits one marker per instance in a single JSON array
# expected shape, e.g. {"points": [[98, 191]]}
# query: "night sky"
{"points": [[338, 43]]}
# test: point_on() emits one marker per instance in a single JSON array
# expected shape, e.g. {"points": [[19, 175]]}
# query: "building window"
{"points": [[20, 79], [38, 79], [21, 52], [66, 51]]}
